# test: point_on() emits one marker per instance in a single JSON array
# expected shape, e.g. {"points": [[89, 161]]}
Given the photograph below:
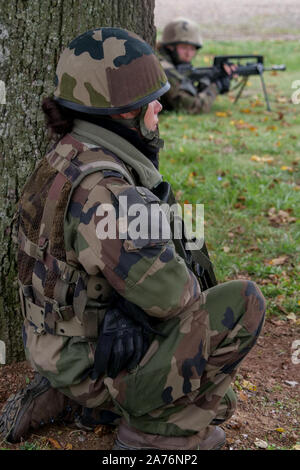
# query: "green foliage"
{"points": [[242, 161]]}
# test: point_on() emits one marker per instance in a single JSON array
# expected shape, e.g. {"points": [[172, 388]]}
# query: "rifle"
{"points": [[253, 66]]}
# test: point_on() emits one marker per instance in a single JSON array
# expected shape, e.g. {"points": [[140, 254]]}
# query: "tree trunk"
{"points": [[32, 36]]}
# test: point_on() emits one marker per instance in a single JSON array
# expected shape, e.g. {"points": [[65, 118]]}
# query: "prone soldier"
{"points": [[180, 42]]}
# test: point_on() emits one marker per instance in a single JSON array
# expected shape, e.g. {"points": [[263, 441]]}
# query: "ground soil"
{"points": [[268, 400]]}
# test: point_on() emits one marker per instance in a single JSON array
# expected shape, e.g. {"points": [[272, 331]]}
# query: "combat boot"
{"points": [[129, 438], [90, 418], [32, 407]]}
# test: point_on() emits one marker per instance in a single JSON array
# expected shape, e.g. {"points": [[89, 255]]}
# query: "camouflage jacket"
{"points": [[178, 99], [149, 274], [77, 271]]}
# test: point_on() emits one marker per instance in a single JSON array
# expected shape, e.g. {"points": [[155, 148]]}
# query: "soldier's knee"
{"points": [[255, 308]]}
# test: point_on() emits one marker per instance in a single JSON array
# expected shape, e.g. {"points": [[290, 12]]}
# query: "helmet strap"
{"points": [[138, 123]]}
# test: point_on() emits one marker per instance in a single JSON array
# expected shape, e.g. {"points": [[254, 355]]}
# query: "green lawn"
{"points": [[242, 163]]}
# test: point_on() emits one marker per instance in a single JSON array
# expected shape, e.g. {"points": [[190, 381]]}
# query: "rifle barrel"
{"points": [[279, 68]]}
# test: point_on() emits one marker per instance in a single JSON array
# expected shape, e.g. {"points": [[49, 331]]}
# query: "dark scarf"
{"points": [[128, 134]]}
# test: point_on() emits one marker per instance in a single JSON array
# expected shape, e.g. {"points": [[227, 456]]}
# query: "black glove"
{"points": [[223, 84], [122, 344]]}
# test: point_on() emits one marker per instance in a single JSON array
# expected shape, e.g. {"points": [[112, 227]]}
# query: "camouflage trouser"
{"points": [[183, 381]]}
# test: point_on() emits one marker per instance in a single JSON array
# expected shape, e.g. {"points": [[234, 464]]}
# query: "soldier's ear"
{"points": [[130, 115]]}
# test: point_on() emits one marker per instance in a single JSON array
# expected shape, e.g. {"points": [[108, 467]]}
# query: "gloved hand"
{"points": [[122, 344], [223, 84]]}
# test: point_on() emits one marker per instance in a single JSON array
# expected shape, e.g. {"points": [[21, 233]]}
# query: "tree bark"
{"points": [[32, 35]]}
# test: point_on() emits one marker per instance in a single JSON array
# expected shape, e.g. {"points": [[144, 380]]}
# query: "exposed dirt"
{"points": [[268, 396], [235, 19]]}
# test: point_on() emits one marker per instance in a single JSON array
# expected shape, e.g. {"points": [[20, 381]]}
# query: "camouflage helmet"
{"points": [[108, 71], [182, 30]]}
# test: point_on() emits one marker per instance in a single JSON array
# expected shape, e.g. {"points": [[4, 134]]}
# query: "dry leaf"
{"points": [[261, 444], [286, 168], [281, 217], [281, 99], [99, 430], [243, 396], [280, 430], [54, 443], [279, 261], [266, 159], [68, 447], [238, 205], [226, 249], [249, 386], [221, 114], [291, 316]]}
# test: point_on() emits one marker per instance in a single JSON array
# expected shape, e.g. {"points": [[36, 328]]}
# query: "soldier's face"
{"points": [[151, 115], [150, 118], [186, 52]]}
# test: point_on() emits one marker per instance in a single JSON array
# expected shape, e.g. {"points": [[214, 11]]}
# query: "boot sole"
{"points": [[11, 414]]}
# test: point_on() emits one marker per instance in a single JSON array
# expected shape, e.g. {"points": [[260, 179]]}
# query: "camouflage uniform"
{"points": [[180, 97], [67, 276], [178, 386]]}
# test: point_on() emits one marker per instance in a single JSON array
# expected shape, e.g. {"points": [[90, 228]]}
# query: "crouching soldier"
{"points": [[119, 329]]}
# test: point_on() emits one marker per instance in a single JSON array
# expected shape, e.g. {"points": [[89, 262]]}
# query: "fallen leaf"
{"points": [[265, 159], [291, 383], [258, 103], [246, 111], [226, 249], [99, 430], [291, 316], [243, 396], [281, 99], [249, 386], [238, 205], [286, 168], [69, 446], [281, 430], [221, 114], [54, 443], [278, 261], [296, 447], [281, 217], [261, 444]]}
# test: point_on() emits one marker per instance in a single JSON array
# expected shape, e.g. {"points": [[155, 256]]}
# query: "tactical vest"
{"points": [[56, 297]]}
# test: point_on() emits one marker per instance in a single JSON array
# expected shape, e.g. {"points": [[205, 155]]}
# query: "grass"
{"points": [[240, 161]]}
